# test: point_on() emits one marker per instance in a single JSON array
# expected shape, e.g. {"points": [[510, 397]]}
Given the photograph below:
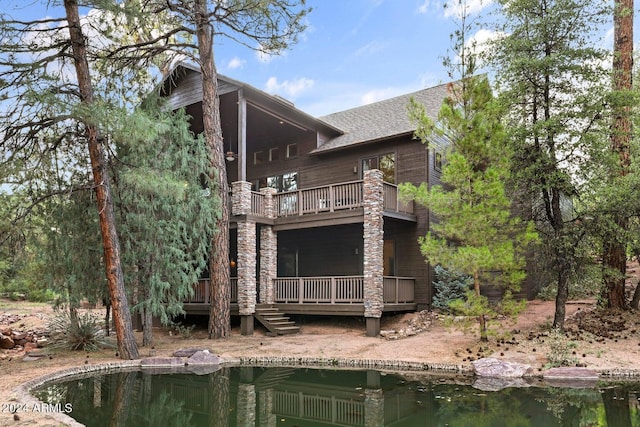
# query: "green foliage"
{"points": [[78, 332], [560, 350], [475, 232], [449, 286], [165, 211], [182, 330]]}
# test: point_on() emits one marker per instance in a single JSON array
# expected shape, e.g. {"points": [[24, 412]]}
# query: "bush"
{"points": [[85, 333], [449, 286]]}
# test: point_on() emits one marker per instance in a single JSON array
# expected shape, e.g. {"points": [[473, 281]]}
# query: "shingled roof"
{"points": [[380, 120]]}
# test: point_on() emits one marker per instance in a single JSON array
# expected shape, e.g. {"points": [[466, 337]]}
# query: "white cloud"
{"points": [[468, 7], [289, 89], [424, 7], [370, 48], [236, 63]]}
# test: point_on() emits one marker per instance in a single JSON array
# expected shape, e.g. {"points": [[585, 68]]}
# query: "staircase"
{"points": [[275, 322]]}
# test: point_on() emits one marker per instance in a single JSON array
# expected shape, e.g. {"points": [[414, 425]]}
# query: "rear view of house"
{"points": [[317, 226]]}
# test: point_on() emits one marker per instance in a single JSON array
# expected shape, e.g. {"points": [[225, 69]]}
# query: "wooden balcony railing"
{"points": [[392, 201], [332, 410], [340, 290], [257, 203], [202, 292], [330, 198]]}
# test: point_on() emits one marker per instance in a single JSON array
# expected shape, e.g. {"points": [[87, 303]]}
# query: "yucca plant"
{"points": [[78, 332]]}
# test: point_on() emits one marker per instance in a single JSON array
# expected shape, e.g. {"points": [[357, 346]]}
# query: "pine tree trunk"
{"points": [[561, 299], [621, 132], [219, 314], [115, 280], [482, 320]]}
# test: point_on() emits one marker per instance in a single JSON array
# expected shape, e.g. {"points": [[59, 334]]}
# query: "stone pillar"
{"points": [[269, 202], [246, 275], [267, 417], [268, 250], [373, 408], [246, 405], [373, 249], [268, 263], [240, 198]]}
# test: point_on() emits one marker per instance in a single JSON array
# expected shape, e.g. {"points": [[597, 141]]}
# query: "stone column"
{"points": [[268, 250], [246, 405], [246, 275], [240, 198], [373, 408], [267, 417], [373, 249]]}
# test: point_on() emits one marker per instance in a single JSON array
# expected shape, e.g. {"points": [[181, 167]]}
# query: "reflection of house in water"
{"points": [[270, 397]]}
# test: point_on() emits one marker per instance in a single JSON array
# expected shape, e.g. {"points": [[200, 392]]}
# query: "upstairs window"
{"points": [[285, 182], [292, 150], [386, 163]]}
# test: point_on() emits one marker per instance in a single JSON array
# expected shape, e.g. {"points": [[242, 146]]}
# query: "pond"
{"points": [[251, 396]]}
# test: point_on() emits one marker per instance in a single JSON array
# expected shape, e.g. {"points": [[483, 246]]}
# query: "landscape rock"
{"points": [[203, 358], [6, 342], [497, 384], [570, 377], [188, 352], [496, 368], [162, 361]]}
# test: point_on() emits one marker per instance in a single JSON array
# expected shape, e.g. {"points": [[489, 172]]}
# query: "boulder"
{"points": [[497, 384], [203, 358], [570, 377], [188, 352], [496, 368], [6, 342]]}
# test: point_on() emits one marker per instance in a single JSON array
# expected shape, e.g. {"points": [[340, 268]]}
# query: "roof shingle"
{"points": [[381, 120]]}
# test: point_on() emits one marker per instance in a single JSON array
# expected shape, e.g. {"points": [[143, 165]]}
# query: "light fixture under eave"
{"points": [[230, 156]]}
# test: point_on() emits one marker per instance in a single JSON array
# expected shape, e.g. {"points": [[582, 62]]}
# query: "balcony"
{"points": [[328, 198]]}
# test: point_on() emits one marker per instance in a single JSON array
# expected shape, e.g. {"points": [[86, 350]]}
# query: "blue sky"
{"points": [[353, 52]]}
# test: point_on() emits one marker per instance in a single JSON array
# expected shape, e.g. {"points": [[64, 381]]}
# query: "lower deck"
{"points": [[326, 295]]}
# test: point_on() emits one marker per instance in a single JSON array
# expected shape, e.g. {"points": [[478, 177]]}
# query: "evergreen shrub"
{"points": [[449, 286]]}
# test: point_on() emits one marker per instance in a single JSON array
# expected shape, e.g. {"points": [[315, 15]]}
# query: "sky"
{"points": [[353, 52]]}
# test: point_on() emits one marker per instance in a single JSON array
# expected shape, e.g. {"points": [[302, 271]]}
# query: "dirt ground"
{"points": [[603, 341]]}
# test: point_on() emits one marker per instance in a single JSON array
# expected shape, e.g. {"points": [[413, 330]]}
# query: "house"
{"points": [[316, 223]]}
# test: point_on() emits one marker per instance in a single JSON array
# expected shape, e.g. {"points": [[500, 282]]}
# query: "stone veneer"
{"points": [[373, 245], [246, 267], [240, 198], [268, 250]]}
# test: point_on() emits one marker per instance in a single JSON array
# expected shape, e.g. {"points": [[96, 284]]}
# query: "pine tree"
{"points": [[475, 232], [166, 211]]}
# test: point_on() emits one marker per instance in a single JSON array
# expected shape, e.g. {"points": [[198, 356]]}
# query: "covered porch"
{"points": [[320, 295]]}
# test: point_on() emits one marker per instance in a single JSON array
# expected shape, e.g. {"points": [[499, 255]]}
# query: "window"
{"points": [[437, 160], [274, 154], [292, 150], [258, 157], [284, 182], [386, 163]]}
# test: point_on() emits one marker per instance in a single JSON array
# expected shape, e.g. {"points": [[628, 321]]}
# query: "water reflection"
{"points": [[248, 396]]}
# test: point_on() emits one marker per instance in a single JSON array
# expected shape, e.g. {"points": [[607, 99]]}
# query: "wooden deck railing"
{"points": [[202, 291], [319, 290], [313, 407], [392, 201], [330, 198], [398, 290], [340, 290], [329, 290]]}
